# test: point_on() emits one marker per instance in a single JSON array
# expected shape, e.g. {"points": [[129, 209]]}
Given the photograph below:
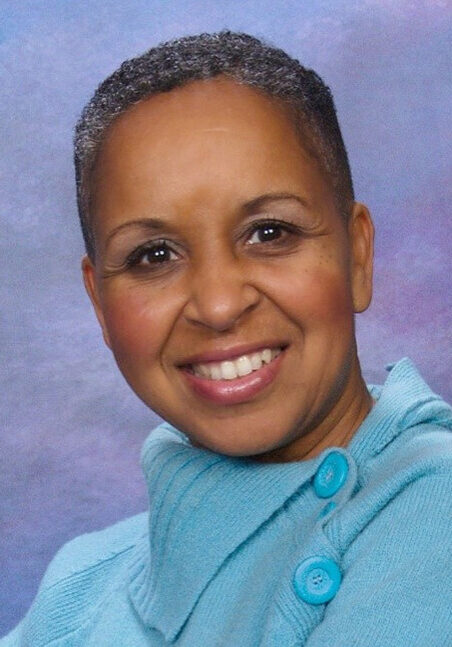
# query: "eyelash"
{"points": [[134, 259]]}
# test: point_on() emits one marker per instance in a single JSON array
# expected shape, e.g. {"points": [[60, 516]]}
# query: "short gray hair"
{"points": [[241, 57]]}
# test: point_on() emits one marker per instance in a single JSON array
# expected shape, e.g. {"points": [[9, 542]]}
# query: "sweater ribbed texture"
{"points": [[212, 564]]}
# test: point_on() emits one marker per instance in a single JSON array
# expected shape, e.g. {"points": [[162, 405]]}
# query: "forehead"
{"points": [[208, 141], [217, 102]]}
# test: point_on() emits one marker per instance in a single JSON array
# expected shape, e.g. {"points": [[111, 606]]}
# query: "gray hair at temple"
{"points": [[243, 58]]}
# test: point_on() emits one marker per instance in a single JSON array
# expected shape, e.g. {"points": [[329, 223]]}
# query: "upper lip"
{"points": [[231, 353]]}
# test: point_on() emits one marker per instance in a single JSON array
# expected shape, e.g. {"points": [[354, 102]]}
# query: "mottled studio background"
{"points": [[70, 428]]}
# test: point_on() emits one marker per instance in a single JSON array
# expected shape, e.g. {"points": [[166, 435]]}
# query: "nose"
{"points": [[220, 294]]}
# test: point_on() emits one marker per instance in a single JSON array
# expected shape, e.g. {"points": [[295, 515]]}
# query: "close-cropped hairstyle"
{"points": [[238, 56]]}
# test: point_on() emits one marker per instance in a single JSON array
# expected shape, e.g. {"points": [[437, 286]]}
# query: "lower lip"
{"points": [[238, 390]]}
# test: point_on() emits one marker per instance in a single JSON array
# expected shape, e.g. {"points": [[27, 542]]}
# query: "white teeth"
{"points": [[244, 366], [230, 370], [215, 372], [256, 361]]}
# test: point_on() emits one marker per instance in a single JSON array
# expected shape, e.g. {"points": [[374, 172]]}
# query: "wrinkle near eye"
{"points": [[125, 244]]}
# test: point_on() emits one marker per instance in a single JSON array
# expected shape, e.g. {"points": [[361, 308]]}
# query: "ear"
{"points": [[90, 281], [361, 237]]}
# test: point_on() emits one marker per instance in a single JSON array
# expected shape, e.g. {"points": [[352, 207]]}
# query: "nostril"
{"points": [[218, 302]]}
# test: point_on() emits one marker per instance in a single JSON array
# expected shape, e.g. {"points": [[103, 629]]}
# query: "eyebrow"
{"points": [[157, 224], [262, 200], [150, 224]]}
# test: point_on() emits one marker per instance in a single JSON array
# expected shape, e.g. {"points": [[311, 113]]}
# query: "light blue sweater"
{"points": [[241, 554]]}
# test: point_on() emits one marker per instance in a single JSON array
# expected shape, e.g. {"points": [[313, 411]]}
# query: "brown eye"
{"points": [[156, 254], [268, 232]]}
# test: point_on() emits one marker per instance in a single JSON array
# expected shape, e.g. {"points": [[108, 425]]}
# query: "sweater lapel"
{"points": [[202, 507]]}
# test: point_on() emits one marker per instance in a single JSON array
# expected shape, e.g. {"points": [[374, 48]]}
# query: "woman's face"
{"points": [[218, 238]]}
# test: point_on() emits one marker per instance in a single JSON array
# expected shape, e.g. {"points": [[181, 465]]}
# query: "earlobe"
{"points": [[89, 280], [361, 236]]}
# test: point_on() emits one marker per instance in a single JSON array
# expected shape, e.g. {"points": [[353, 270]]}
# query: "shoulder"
{"points": [[416, 465], [409, 428], [79, 579], [423, 450], [90, 550], [403, 487]]}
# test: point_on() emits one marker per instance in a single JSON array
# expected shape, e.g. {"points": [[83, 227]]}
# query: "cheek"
{"points": [[319, 297], [135, 324], [330, 300]]}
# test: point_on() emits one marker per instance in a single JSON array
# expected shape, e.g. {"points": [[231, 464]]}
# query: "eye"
{"points": [[270, 231], [152, 254]]}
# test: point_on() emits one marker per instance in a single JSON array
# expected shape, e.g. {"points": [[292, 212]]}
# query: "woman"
{"points": [[226, 259]]}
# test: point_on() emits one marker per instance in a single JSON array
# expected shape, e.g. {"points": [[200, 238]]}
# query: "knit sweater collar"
{"points": [[204, 505]]}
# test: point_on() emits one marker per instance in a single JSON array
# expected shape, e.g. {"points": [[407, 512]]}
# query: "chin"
{"points": [[242, 449]]}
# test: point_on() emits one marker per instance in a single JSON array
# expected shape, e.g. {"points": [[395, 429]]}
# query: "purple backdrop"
{"points": [[71, 429]]}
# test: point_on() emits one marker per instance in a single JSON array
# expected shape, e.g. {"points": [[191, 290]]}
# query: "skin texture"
{"points": [[193, 158]]}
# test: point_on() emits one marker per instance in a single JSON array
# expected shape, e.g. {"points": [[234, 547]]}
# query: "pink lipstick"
{"points": [[237, 390]]}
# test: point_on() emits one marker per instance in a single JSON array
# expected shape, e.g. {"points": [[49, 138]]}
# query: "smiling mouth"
{"points": [[236, 368]]}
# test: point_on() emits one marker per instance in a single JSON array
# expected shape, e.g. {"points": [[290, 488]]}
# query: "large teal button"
{"points": [[331, 475], [317, 579]]}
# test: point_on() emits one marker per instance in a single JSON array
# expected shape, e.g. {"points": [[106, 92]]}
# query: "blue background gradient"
{"points": [[71, 429]]}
